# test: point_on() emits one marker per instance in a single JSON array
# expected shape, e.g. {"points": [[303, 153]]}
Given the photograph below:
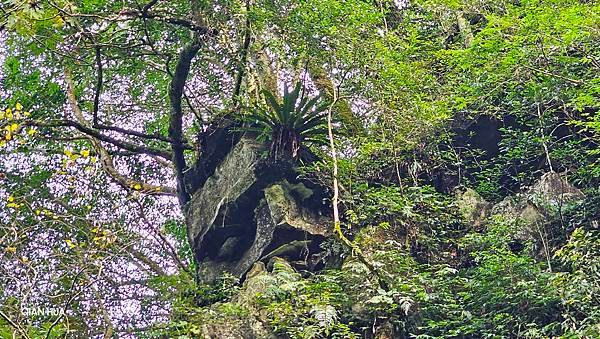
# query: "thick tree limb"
{"points": [[98, 91], [465, 29], [176, 89], [148, 6], [267, 74], [166, 19]]}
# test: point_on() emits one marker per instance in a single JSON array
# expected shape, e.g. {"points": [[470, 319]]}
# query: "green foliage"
{"points": [[493, 292], [579, 286], [426, 219], [311, 308], [412, 76], [178, 231], [188, 300]]}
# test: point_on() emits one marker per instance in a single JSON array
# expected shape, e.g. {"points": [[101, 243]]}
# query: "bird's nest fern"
{"points": [[289, 124]]}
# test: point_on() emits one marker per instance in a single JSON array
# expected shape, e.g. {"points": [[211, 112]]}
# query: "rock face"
{"points": [[473, 208], [528, 211], [548, 194], [247, 211], [537, 204]]}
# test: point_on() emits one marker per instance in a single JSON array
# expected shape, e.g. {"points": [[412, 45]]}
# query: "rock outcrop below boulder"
{"points": [[528, 211], [538, 204], [250, 210], [253, 320], [534, 205]]}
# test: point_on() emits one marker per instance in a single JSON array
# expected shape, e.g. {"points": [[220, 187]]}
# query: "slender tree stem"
{"points": [[337, 226]]}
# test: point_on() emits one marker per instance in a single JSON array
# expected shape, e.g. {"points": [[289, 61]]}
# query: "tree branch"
{"points": [[13, 324], [176, 89], [337, 226], [140, 134], [107, 162], [166, 19], [98, 87], [102, 137]]}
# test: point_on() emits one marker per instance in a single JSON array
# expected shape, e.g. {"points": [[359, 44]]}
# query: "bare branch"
{"points": [[13, 324], [140, 149], [107, 162], [98, 86]]}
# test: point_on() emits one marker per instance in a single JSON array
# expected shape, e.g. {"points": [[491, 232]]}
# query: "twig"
{"points": [[98, 90], [13, 324], [573, 81]]}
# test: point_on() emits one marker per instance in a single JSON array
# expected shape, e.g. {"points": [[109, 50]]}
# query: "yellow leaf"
{"points": [[18, 106], [68, 152], [1, 115], [8, 111], [58, 22], [11, 249], [10, 198], [8, 136], [137, 187], [85, 153], [24, 260], [70, 243], [14, 127], [26, 114], [31, 131]]}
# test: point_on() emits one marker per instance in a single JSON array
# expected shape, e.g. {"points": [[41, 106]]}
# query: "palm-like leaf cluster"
{"points": [[290, 123]]}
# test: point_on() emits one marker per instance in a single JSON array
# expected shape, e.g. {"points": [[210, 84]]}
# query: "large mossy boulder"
{"points": [[249, 210]]}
